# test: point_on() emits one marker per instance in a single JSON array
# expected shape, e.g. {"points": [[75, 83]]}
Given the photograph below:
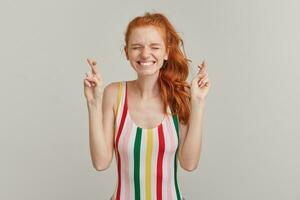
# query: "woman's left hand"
{"points": [[200, 84]]}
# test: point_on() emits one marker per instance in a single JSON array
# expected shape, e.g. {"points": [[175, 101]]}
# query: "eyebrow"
{"points": [[152, 44]]}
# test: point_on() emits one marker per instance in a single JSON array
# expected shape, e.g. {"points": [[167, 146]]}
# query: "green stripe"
{"points": [[175, 119], [137, 148]]}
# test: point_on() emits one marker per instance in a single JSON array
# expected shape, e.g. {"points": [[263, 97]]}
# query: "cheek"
{"points": [[161, 55], [131, 57], [133, 54]]}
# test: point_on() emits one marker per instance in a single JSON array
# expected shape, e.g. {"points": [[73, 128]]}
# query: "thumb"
{"points": [[196, 79], [95, 80]]}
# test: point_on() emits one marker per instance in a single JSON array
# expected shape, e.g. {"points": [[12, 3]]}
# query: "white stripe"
{"points": [[154, 162], [121, 150], [143, 164], [131, 160], [173, 137]]}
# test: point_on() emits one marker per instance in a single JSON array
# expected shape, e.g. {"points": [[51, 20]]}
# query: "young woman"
{"points": [[151, 122]]}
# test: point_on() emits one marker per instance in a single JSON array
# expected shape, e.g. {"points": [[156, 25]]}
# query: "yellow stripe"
{"points": [[148, 163], [119, 97]]}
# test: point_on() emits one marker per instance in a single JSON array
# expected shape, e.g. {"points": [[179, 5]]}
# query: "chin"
{"points": [[149, 73]]}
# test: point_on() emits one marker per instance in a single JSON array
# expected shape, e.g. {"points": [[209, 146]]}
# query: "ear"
{"points": [[126, 52]]}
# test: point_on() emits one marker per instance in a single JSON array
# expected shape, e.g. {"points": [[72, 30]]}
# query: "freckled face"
{"points": [[146, 50]]}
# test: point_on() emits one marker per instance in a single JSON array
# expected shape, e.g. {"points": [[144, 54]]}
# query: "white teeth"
{"points": [[146, 63]]}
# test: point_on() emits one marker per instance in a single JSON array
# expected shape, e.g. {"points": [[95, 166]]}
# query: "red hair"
{"points": [[172, 76]]}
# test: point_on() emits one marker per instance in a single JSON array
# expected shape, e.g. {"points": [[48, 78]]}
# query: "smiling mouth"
{"points": [[145, 64]]}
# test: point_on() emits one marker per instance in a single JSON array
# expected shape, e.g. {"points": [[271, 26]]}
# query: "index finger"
{"points": [[202, 66], [93, 63]]}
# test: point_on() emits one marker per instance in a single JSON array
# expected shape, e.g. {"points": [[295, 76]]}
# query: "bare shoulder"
{"points": [[112, 88], [110, 95]]}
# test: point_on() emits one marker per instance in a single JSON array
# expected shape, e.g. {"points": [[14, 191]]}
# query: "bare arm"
{"points": [[191, 138], [191, 134], [101, 120], [101, 129]]}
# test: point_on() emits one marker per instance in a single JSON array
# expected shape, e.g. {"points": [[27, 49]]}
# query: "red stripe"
{"points": [[161, 151], [117, 144]]}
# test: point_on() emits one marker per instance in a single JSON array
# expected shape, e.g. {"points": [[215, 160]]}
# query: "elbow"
{"points": [[189, 167], [189, 164], [100, 168]]}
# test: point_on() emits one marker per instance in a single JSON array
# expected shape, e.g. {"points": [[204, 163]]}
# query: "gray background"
{"points": [[251, 130]]}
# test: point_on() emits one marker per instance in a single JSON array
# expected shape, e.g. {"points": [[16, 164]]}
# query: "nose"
{"points": [[145, 53]]}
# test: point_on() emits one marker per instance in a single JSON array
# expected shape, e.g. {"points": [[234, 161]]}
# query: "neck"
{"points": [[146, 87]]}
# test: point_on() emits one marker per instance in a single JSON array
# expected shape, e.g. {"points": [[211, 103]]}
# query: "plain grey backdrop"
{"points": [[251, 141]]}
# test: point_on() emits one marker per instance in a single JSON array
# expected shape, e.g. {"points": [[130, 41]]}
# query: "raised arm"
{"points": [[101, 104], [191, 134]]}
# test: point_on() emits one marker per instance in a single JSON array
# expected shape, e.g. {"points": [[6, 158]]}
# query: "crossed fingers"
{"points": [[92, 77], [202, 74]]}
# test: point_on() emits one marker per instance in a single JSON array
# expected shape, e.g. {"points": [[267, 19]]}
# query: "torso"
{"points": [[146, 144]]}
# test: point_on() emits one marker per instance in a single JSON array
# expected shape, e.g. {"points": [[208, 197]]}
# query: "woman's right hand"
{"points": [[93, 84]]}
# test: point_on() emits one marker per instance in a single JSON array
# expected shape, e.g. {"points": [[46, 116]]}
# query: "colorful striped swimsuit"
{"points": [[146, 158]]}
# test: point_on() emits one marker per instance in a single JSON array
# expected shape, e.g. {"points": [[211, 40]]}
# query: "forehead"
{"points": [[146, 34]]}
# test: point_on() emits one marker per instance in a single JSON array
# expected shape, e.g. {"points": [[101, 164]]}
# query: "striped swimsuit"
{"points": [[146, 158]]}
